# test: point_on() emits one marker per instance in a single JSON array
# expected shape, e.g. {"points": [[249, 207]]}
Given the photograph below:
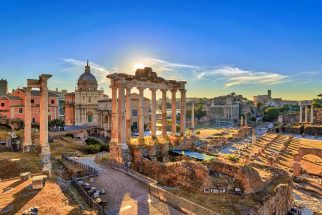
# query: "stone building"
{"points": [[83, 103], [262, 99], [3, 87], [12, 105], [104, 111], [226, 110]]}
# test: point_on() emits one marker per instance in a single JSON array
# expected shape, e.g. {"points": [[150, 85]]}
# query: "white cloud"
{"points": [[99, 71], [233, 76]]}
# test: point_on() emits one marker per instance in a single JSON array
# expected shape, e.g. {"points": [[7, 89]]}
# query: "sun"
{"points": [[139, 66]]}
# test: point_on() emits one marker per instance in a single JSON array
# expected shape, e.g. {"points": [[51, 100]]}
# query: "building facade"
{"points": [[3, 87], [12, 105]]}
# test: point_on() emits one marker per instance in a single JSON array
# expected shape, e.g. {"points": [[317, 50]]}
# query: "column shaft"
{"points": [[27, 129], [128, 114], [141, 113], [173, 112], [164, 112], [183, 112], [44, 116], [306, 113], [114, 135], [121, 117], [312, 114], [153, 113], [301, 114], [193, 117]]}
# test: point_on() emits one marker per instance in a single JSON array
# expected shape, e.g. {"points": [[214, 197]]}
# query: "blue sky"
{"points": [[219, 47]]}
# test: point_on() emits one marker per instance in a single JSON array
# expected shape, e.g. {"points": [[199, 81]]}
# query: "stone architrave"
{"points": [[27, 130]]}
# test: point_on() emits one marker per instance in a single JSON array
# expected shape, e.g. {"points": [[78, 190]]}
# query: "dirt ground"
{"points": [[17, 196]]}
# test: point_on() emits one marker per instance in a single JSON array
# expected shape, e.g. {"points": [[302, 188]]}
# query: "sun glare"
{"points": [[139, 66]]}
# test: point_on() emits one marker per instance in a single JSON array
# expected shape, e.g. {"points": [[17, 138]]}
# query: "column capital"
{"points": [[174, 90], [164, 90], [141, 88], [183, 90], [153, 89]]}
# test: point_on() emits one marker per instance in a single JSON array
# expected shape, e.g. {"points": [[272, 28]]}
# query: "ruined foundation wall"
{"points": [[246, 175]]}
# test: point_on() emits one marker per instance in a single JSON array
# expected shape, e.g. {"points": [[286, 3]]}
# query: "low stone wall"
{"points": [[175, 201], [247, 176]]}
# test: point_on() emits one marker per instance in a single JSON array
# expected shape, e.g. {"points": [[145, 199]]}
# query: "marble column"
{"points": [[27, 130], [128, 113], [241, 121], [193, 118], [153, 113], [174, 112], [183, 112], [301, 114], [121, 118], [114, 122], [312, 114], [164, 112], [306, 113], [141, 113]]}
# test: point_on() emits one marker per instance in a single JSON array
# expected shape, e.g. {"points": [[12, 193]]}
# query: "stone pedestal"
{"points": [[119, 154]]}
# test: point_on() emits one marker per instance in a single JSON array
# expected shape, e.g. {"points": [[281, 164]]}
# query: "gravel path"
{"points": [[125, 194]]}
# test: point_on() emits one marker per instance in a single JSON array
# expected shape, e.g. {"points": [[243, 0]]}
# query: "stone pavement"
{"points": [[126, 195]]}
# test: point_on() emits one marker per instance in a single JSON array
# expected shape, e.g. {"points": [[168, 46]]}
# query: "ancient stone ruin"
{"points": [[41, 84]]}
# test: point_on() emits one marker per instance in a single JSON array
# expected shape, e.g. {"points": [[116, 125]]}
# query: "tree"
{"points": [[270, 114], [258, 104], [317, 103]]}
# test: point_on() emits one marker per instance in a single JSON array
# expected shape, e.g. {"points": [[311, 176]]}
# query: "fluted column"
{"points": [[27, 130], [306, 113], [164, 112], [301, 114], [114, 123], [121, 118], [312, 114], [128, 113], [173, 112], [153, 113], [183, 112], [141, 113]]}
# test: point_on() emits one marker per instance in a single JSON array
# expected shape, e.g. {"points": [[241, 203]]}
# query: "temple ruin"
{"points": [[121, 85], [41, 84]]}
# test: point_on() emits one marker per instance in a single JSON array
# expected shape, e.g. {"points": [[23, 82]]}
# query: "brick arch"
{"points": [[301, 153]]}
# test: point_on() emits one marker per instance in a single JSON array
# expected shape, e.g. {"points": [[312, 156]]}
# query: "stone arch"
{"points": [[301, 153]]}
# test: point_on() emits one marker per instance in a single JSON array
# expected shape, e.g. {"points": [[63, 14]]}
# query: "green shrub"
{"points": [[69, 135], [92, 149], [104, 147], [92, 141], [233, 158]]}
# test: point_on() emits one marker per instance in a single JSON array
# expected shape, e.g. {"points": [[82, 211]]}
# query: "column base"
{"points": [[26, 148], [120, 153]]}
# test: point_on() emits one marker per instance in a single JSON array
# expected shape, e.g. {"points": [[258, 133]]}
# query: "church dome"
{"points": [[87, 80]]}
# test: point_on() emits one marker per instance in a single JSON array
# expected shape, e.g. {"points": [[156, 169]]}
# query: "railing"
{"points": [[90, 170], [90, 201]]}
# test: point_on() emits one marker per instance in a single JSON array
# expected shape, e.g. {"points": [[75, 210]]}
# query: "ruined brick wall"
{"points": [[187, 174], [247, 176]]}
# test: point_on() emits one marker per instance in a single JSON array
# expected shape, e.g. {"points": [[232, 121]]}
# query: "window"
{"points": [[32, 101], [134, 112], [52, 102], [2, 104], [20, 110]]}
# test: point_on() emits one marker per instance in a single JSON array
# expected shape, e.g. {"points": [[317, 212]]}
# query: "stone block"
{"points": [[25, 176], [38, 182]]}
